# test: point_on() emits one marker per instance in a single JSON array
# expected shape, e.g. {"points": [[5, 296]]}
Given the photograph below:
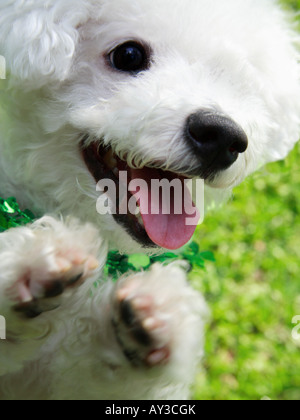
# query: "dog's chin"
{"points": [[151, 232], [227, 179]]}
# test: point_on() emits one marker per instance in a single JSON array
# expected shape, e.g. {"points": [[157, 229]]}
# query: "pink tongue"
{"points": [[170, 230]]}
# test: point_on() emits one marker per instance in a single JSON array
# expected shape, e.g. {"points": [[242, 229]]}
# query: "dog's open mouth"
{"points": [[153, 226]]}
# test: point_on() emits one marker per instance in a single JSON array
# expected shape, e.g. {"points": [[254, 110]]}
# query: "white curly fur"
{"points": [[238, 58]]}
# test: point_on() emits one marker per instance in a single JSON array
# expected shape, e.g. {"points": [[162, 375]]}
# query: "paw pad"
{"points": [[36, 290], [142, 333]]}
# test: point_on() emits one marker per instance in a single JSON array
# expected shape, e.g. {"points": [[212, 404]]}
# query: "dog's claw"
{"points": [[151, 324]]}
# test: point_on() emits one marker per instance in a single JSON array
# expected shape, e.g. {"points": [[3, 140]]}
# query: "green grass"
{"points": [[294, 4], [253, 289]]}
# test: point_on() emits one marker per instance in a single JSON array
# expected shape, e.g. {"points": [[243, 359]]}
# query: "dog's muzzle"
{"points": [[216, 140]]}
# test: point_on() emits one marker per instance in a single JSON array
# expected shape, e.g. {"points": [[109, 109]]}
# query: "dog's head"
{"points": [[157, 88]]}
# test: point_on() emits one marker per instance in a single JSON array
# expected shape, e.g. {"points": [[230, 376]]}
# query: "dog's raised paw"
{"points": [[144, 327], [153, 313], [142, 334], [144, 317], [54, 264], [35, 291]]}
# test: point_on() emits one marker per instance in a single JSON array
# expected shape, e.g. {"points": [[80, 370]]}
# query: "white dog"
{"points": [[157, 88]]}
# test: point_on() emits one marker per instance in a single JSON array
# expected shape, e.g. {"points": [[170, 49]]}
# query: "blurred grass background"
{"points": [[253, 289]]}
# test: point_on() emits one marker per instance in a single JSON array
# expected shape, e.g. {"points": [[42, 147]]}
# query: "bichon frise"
{"points": [[173, 89]]}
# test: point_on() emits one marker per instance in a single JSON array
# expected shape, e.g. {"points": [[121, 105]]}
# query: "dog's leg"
{"points": [[140, 338], [158, 322], [40, 266]]}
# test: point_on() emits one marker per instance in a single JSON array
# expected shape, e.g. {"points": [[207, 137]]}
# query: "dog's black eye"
{"points": [[129, 57]]}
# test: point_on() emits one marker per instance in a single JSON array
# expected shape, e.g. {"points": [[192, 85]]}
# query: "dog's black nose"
{"points": [[216, 139]]}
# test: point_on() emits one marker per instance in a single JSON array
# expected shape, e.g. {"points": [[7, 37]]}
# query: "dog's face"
{"points": [[160, 88]]}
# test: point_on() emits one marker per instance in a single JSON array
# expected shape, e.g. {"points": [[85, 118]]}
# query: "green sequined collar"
{"points": [[12, 216]]}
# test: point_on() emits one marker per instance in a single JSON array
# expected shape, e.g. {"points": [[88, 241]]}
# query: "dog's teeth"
{"points": [[140, 219], [110, 160]]}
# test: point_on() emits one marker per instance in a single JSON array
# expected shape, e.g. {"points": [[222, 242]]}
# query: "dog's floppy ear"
{"points": [[38, 38]]}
